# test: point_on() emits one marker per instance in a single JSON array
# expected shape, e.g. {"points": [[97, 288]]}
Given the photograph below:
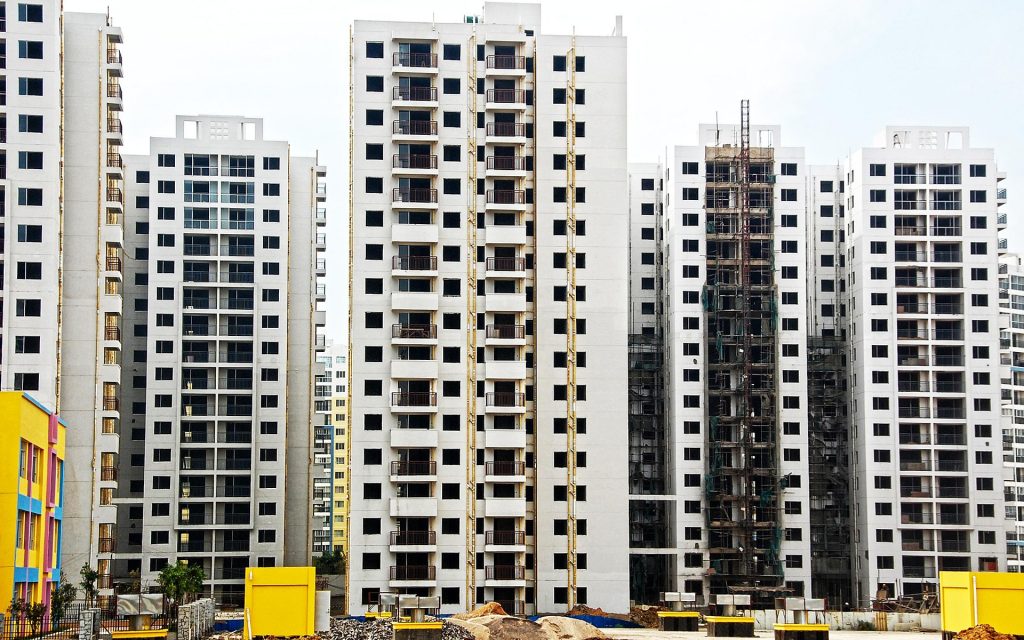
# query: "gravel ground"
{"points": [[342, 629]]}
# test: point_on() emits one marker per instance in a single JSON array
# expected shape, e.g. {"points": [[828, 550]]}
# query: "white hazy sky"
{"points": [[833, 74]]}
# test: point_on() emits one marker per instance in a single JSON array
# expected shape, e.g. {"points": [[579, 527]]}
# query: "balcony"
{"points": [[107, 545], [112, 333], [108, 474], [506, 265], [414, 128], [505, 439], [111, 403], [114, 125], [414, 300], [418, 468], [505, 572], [504, 508], [113, 55], [414, 263], [506, 199], [413, 538], [506, 332], [511, 165], [505, 98], [418, 164], [507, 131], [414, 399], [406, 60], [497, 64], [413, 573], [948, 232], [115, 195], [505, 370], [911, 256], [114, 160], [416, 197], [114, 91], [918, 545], [918, 465], [506, 399], [402, 369], [918, 572], [425, 95], [511, 302], [505, 468], [505, 538], [413, 332]]}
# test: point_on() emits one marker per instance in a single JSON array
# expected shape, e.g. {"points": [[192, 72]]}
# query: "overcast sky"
{"points": [[833, 74]]}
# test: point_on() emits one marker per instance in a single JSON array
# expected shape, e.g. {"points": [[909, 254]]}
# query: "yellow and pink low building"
{"points": [[32, 440]]}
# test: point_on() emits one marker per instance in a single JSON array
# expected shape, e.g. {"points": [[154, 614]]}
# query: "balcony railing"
{"points": [[114, 194], [506, 399], [112, 333], [918, 572], [108, 473], [506, 96], [911, 256], [506, 264], [909, 178], [414, 399], [505, 468], [414, 127], [414, 263], [415, 94], [414, 195], [919, 465], [948, 361], [505, 572], [414, 468], [506, 331], [505, 538], [506, 163], [506, 196], [413, 573], [918, 545], [506, 129], [915, 492], [413, 538], [114, 125], [111, 403], [422, 161], [506, 63], [946, 205], [414, 331], [113, 56], [113, 264], [914, 438], [114, 160], [916, 517], [414, 60], [947, 231], [114, 91], [107, 545]]}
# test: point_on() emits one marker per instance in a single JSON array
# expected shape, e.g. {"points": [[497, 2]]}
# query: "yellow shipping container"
{"points": [[279, 601], [972, 598]]}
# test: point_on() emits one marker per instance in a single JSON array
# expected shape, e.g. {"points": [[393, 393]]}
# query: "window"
{"points": [[788, 168], [451, 86], [374, 117], [451, 51], [375, 84], [977, 248], [690, 168], [374, 49], [788, 195], [977, 171], [30, 49], [558, 63], [30, 12], [271, 163], [30, 197], [30, 124], [165, 160], [30, 271], [977, 195], [690, 193], [30, 86], [30, 233]]}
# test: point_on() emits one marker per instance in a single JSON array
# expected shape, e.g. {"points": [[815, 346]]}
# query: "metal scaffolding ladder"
{"points": [[471, 325], [570, 319]]}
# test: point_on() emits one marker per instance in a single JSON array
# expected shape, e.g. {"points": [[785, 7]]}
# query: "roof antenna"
{"points": [[717, 130]]}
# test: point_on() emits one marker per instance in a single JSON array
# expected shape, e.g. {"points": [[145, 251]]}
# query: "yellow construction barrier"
{"points": [[279, 601], [972, 598]]}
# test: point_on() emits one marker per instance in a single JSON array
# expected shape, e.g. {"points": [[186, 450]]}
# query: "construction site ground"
{"points": [[638, 634]]}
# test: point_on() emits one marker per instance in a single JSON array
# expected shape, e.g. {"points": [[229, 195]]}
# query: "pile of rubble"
{"points": [[645, 616], [350, 629], [982, 632]]}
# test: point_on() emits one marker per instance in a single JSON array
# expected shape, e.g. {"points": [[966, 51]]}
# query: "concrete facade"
{"points": [[417, 123], [224, 360]]}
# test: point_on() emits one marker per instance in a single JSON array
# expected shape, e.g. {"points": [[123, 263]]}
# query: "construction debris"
{"points": [[645, 616], [982, 632], [342, 629]]}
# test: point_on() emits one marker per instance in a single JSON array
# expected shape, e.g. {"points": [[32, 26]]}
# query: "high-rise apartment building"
{"points": [[734, 307], [226, 241], [1011, 378], [921, 222], [330, 457], [62, 249], [489, 313]]}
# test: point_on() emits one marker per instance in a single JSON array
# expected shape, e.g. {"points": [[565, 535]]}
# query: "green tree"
{"points": [[181, 582], [330, 562], [61, 598], [88, 583], [35, 613]]}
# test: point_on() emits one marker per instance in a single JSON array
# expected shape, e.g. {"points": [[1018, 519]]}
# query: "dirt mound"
{"points": [[645, 616], [982, 632], [477, 630], [584, 610], [489, 609], [561, 628], [514, 629]]}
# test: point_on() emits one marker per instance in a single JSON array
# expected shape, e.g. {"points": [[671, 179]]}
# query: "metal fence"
{"points": [[66, 625]]}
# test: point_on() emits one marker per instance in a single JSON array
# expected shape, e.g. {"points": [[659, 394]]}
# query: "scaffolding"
{"points": [[471, 328], [742, 472], [351, 280], [829, 433], [570, 320]]}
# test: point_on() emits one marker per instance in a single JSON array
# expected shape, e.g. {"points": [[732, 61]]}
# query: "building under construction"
{"points": [[735, 318], [651, 513], [827, 389]]}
